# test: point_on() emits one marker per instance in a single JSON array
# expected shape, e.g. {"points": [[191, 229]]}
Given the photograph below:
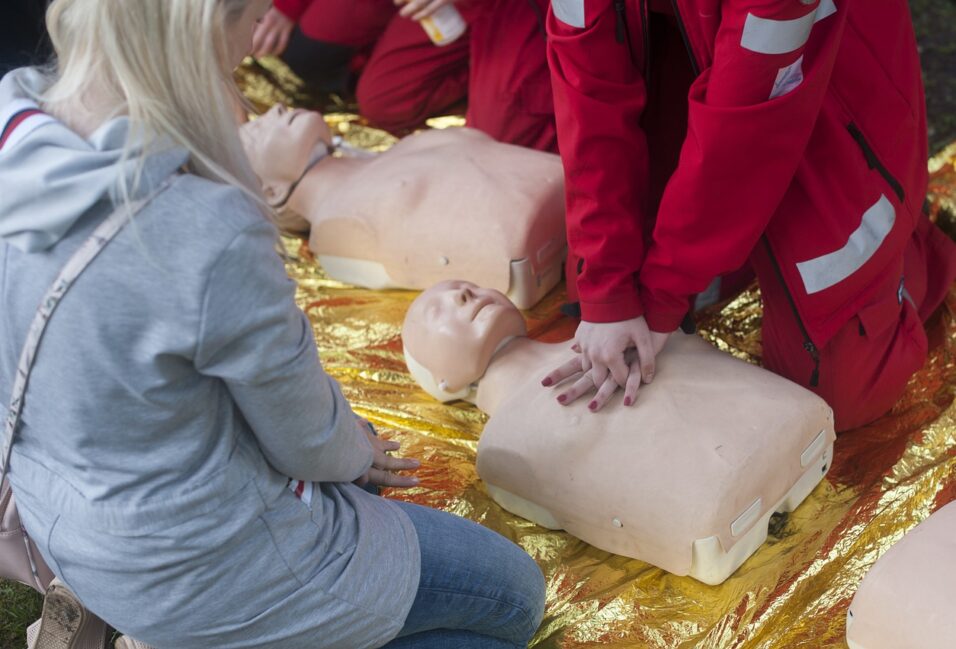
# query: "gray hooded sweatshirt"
{"points": [[175, 392]]}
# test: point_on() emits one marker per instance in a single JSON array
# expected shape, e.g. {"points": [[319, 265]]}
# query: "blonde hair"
{"points": [[164, 64]]}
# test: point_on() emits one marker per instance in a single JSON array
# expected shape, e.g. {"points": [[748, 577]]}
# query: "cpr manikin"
{"points": [[685, 479], [437, 205], [908, 598]]}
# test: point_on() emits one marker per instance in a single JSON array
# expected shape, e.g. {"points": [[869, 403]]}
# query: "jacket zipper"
{"points": [[683, 32], [645, 32], [873, 162], [622, 33], [807, 343]]}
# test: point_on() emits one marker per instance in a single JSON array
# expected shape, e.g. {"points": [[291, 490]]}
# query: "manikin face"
{"points": [[454, 328], [280, 144]]}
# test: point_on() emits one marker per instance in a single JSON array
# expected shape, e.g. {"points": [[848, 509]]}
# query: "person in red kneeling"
{"points": [[403, 77], [699, 136], [499, 64]]}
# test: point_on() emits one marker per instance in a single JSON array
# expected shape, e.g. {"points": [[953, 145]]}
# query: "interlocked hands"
{"points": [[611, 355]]}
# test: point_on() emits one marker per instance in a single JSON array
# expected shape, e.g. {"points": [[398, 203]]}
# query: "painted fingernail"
{"points": [[547, 381], [562, 398], [627, 401], [592, 405]]}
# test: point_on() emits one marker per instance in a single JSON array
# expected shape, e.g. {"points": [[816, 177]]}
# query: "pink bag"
{"points": [[19, 559]]}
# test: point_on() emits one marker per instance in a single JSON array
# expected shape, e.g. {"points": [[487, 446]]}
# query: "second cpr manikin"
{"points": [[438, 205], [686, 479]]}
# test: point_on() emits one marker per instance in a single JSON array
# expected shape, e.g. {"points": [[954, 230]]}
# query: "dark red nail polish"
{"points": [[627, 401], [547, 381], [562, 398], [593, 405]]}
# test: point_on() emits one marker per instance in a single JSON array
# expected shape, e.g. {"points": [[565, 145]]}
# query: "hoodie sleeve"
{"points": [[254, 337]]}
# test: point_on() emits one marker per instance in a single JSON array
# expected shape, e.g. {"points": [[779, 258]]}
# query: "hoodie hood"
{"points": [[50, 176]]}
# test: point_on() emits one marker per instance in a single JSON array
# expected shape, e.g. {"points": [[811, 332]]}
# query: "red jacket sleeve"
{"points": [[750, 118], [599, 96], [292, 8]]}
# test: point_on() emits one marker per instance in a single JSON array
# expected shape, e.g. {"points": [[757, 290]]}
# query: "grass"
{"points": [[19, 607]]}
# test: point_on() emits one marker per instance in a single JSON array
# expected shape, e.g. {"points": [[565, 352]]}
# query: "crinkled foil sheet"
{"points": [[794, 592]]}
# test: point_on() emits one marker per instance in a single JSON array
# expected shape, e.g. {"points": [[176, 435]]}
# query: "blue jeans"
{"points": [[477, 590]]}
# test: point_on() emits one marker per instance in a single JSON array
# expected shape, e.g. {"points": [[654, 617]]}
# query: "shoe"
{"points": [[65, 623]]}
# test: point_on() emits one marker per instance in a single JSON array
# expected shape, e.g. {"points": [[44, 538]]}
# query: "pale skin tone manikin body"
{"points": [[707, 443], [437, 205]]}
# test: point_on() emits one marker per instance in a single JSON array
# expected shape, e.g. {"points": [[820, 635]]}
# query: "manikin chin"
{"points": [[437, 205], [686, 479]]}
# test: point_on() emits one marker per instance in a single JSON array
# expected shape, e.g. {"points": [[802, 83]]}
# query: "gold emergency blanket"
{"points": [[794, 592]]}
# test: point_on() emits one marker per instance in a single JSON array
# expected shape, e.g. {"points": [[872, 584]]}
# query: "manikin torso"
{"points": [[686, 479], [908, 598], [440, 204]]}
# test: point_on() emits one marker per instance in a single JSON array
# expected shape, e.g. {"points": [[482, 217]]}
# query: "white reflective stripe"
{"points": [[832, 268], [767, 36], [788, 79], [825, 10], [570, 12]]}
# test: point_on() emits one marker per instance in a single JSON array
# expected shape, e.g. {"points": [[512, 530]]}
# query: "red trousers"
{"points": [[499, 64], [864, 369], [406, 78], [509, 93]]}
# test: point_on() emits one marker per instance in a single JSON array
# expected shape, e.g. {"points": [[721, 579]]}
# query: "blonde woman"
{"points": [[177, 394]]}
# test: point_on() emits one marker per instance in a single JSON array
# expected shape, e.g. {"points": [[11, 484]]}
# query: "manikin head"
{"points": [[451, 332], [280, 145]]}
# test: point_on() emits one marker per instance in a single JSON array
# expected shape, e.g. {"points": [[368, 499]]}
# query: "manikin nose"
{"points": [[463, 295]]}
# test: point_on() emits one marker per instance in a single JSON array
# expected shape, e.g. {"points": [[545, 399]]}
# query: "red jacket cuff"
{"points": [[293, 9], [623, 307], [663, 315]]}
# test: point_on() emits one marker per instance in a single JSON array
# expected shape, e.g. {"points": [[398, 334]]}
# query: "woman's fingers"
{"points": [[581, 387], [599, 373], [389, 479], [411, 7], [283, 43], [565, 371], [389, 463], [604, 394], [429, 9], [633, 383], [389, 445]]}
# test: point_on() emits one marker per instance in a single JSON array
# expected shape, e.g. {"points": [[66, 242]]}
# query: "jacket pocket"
{"points": [[874, 163]]}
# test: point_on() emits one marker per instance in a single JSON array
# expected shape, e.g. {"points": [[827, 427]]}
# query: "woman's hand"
{"points": [[381, 473], [272, 34], [418, 9], [612, 355]]}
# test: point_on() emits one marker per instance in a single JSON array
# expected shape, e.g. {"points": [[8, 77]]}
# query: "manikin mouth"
{"points": [[481, 303]]}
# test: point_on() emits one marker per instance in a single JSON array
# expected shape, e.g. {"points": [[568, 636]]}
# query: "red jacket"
{"points": [[806, 133], [292, 8]]}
